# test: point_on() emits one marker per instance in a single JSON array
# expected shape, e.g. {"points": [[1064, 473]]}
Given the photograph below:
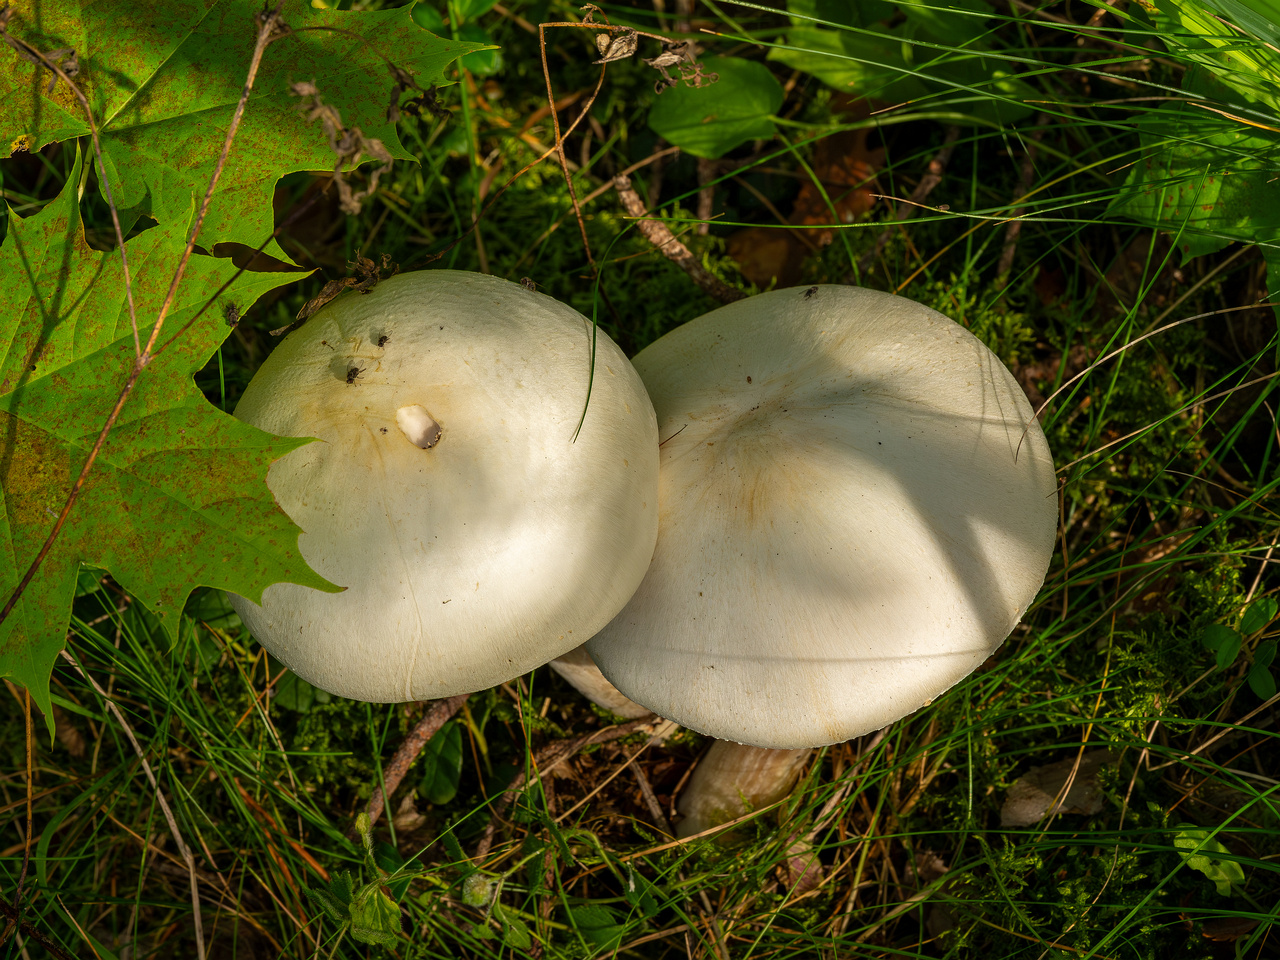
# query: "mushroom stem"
{"points": [[732, 779], [583, 675]]}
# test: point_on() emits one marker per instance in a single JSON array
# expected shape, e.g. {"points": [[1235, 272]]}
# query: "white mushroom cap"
{"points": [[476, 536], [847, 527]]}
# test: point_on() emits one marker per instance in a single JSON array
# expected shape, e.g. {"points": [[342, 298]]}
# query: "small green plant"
{"points": [[1200, 851], [365, 908], [1226, 643]]}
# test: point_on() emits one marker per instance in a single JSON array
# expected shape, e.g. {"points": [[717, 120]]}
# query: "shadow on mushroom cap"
{"points": [[844, 532]]}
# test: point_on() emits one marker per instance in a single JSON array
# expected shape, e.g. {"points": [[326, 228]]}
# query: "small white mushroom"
{"points": [[857, 506], [478, 531]]}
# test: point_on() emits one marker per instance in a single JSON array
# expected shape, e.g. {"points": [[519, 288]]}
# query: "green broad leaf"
{"points": [[537, 868], [177, 496], [889, 65], [375, 917], [1193, 31], [213, 607], [598, 925], [88, 581], [164, 79], [1261, 681], [428, 17], [862, 14], [294, 693], [471, 9], [1218, 635], [515, 933], [711, 120], [957, 22], [207, 653], [482, 63], [389, 859], [1205, 179], [1201, 853], [335, 899], [1259, 614], [641, 894], [867, 64], [1228, 650], [452, 847], [441, 763]]}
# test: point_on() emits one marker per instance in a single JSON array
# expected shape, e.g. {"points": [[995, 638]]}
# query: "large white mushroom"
{"points": [[857, 506], [478, 530]]}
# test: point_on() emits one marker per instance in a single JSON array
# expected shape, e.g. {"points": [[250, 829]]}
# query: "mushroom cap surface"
{"points": [[846, 524], [476, 536]]}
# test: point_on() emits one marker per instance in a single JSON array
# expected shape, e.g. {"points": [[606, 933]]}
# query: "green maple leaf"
{"points": [[177, 496], [164, 77]]}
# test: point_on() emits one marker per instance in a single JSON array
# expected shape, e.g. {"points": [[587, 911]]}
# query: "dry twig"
{"points": [[615, 43], [1014, 228], [348, 144], [657, 233], [27, 929], [933, 176], [432, 721]]}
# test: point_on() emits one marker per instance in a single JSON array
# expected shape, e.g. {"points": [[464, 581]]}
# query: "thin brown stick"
{"points": [[1014, 229], [594, 194], [164, 804], [28, 930], [657, 233], [587, 24], [707, 171], [933, 176], [559, 140], [424, 730], [268, 25], [651, 801]]}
